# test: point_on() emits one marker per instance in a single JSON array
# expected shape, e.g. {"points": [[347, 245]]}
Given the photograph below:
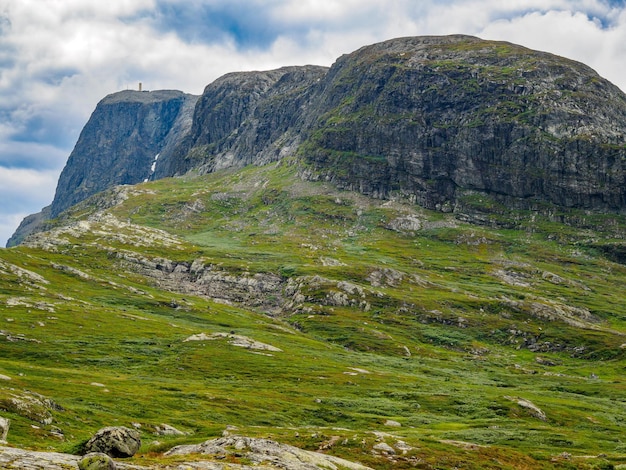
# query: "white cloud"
{"points": [[569, 34], [8, 224], [24, 186], [22, 190]]}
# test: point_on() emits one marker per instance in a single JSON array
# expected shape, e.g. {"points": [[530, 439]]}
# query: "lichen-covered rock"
{"points": [[384, 448], [167, 430], [4, 429], [96, 461], [30, 405], [11, 457], [118, 442], [267, 452], [529, 406]]}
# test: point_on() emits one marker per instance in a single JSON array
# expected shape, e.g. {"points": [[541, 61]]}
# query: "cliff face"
{"points": [[246, 117], [121, 141], [437, 117]]}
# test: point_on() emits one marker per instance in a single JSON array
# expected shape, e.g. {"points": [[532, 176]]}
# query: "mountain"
{"points": [[435, 119], [346, 264], [243, 118]]}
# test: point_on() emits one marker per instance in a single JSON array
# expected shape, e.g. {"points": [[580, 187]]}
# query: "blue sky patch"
{"points": [[208, 23]]}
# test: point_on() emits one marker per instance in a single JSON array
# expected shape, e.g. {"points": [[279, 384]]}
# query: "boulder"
{"points": [[119, 442], [31, 406], [4, 429], [532, 409], [96, 461], [167, 430], [384, 448]]}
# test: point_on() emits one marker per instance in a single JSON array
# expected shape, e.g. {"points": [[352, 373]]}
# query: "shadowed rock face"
{"points": [[246, 117], [117, 441], [118, 145]]}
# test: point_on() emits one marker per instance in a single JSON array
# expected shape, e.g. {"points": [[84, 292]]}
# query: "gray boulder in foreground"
{"points": [[273, 456], [118, 442], [11, 457]]}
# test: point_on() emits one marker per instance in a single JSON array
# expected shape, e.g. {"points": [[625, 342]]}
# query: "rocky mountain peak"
{"points": [[125, 135]]}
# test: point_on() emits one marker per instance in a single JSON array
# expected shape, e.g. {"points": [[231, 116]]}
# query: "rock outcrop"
{"points": [[4, 429], [529, 406], [11, 457], [267, 453], [246, 117], [32, 406], [261, 454], [121, 141], [96, 461]]}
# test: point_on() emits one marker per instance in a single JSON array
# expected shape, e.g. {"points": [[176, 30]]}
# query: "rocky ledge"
{"points": [[264, 454]]}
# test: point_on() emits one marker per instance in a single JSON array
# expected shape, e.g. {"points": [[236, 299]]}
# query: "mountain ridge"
{"points": [[435, 119]]}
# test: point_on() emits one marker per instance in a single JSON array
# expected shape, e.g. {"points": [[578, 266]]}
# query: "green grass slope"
{"points": [[331, 321]]}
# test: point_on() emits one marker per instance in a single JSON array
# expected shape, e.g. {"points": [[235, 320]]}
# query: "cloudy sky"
{"points": [[58, 58]]}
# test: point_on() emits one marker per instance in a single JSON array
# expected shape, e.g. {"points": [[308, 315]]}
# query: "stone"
{"points": [[4, 429], [392, 423], [118, 442], [167, 430], [532, 409], [384, 448], [96, 461], [234, 340], [31, 406], [407, 223], [403, 447], [14, 458]]}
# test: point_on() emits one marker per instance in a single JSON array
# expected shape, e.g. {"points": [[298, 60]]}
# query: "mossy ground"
{"points": [[461, 320]]}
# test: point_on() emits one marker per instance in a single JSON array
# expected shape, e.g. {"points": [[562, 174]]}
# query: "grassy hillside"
{"points": [[331, 321]]}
